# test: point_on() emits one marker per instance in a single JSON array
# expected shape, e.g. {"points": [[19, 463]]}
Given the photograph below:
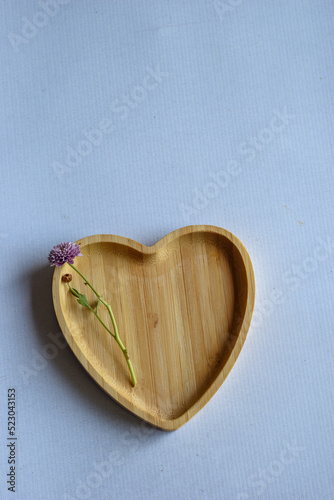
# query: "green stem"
{"points": [[112, 317], [119, 342], [97, 316], [100, 320], [82, 276]]}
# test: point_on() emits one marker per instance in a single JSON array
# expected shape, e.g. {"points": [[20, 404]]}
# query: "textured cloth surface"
{"points": [[137, 118]]}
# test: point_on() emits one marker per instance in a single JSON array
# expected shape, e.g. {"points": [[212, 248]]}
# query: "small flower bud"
{"points": [[67, 278]]}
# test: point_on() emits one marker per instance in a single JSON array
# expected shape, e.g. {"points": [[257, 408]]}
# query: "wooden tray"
{"points": [[183, 308]]}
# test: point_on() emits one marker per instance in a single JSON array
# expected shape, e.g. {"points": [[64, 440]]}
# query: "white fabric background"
{"points": [[234, 129]]}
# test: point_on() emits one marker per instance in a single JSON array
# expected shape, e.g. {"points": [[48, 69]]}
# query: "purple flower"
{"points": [[64, 252]]}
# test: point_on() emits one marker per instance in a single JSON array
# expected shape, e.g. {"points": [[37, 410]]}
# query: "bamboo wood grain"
{"points": [[183, 309]]}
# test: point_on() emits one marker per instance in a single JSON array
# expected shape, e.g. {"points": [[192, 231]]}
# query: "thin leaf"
{"points": [[74, 292], [83, 300]]}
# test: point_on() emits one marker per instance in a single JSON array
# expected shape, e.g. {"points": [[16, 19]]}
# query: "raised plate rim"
{"points": [[165, 424]]}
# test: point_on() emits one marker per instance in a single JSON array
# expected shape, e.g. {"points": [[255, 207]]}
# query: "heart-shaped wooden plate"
{"points": [[183, 309]]}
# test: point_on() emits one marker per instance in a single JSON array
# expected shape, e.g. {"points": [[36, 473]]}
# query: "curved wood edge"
{"points": [[164, 424]]}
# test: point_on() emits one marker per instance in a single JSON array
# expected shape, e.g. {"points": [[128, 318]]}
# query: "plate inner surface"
{"points": [[178, 311]]}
